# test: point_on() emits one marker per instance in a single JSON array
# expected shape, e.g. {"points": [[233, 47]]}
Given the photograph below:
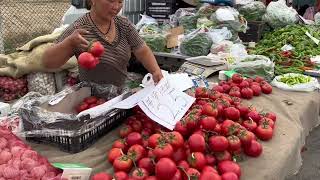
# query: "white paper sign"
{"points": [[165, 104]]}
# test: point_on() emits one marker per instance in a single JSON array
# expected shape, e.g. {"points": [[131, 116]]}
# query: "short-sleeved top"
{"points": [[112, 68]]}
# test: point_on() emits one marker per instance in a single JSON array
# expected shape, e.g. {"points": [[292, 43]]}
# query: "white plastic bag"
{"points": [[279, 14], [145, 20], [305, 87], [238, 51], [229, 16], [221, 47], [317, 18], [218, 35]]}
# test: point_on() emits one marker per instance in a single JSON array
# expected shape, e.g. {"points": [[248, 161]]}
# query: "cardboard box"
{"points": [[172, 37]]}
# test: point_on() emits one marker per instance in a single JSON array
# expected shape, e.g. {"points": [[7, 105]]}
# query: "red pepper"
{"points": [[286, 54]]}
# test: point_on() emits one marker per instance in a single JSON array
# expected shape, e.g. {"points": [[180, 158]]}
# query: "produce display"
{"points": [[253, 11], [19, 161], [293, 80], [156, 42], [11, 88], [43, 83], [196, 44], [296, 60], [89, 59], [89, 102], [206, 144]]}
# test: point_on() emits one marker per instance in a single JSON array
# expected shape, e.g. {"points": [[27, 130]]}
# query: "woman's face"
{"points": [[107, 9]]}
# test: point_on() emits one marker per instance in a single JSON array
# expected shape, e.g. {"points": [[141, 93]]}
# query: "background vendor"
{"points": [[118, 36]]}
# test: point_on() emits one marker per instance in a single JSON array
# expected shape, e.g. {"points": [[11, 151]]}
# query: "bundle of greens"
{"points": [[253, 11], [156, 42], [196, 44]]}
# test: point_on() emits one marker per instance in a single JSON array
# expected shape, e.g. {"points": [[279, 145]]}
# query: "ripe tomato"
{"points": [[181, 128], [254, 115], [234, 143], [165, 169], [217, 129], [83, 106], [272, 116], [232, 113], [92, 105], [192, 174], [154, 140], [229, 176], [197, 160], [244, 110], [123, 163], [177, 175], [197, 143], [208, 123], [250, 125], [184, 164], [147, 164], [140, 174], [201, 92], [120, 143], [192, 121], [228, 128], [267, 121], [136, 152], [179, 155], [210, 109], [218, 143], [151, 178], [163, 150], [266, 88], [100, 176], [134, 138], [264, 132], [254, 150], [210, 176], [125, 131], [87, 60], [136, 126], [91, 100], [218, 89], [101, 101], [237, 78], [113, 154], [256, 90], [246, 137], [229, 166], [246, 93], [121, 175], [210, 169], [175, 139], [96, 49], [223, 156], [211, 160]]}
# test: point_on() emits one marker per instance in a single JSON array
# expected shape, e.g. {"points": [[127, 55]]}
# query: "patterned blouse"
{"points": [[112, 68]]}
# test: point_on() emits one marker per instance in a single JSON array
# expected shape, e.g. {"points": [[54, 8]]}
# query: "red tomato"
{"points": [[151, 178], [123, 163], [140, 174], [192, 173], [179, 155], [183, 164], [120, 143], [229, 176], [101, 101], [165, 169], [211, 160], [92, 105], [264, 132], [234, 143], [218, 143], [197, 143], [113, 154], [147, 164], [229, 166], [266, 88], [192, 121], [134, 138], [209, 169], [210, 176], [125, 131], [256, 90], [217, 129], [136, 152], [96, 49], [250, 125], [101, 176], [201, 92], [210, 109], [227, 127], [254, 150], [154, 140], [244, 110], [254, 115], [136, 126], [246, 93], [177, 176], [197, 160], [235, 93], [272, 116], [246, 137], [181, 128], [121, 175], [87, 60], [237, 78], [223, 156], [218, 89], [175, 139], [91, 100], [267, 121], [83, 106], [208, 123], [232, 113], [162, 151]]}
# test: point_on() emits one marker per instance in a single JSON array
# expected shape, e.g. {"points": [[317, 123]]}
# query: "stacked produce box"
{"points": [[161, 10]]}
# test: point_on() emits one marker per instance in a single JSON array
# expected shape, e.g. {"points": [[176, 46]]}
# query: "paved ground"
{"points": [[311, 158]]}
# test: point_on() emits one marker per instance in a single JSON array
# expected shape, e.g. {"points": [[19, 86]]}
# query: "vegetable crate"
{"points": [[254, 33], [78, 143], [160, 9]]}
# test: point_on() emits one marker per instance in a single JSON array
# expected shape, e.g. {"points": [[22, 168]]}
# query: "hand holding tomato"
{"points": [[76, 39]]}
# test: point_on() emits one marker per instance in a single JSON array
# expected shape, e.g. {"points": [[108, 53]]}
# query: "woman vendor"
{"points": [[118, 36]]}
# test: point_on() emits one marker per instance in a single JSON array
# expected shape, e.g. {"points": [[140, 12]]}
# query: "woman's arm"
{"points": [[146, 57], [58, 54]]}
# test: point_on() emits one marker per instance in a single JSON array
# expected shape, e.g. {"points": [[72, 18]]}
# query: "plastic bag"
{"points": [[189, 23], [305, 87], [204, 22], [145, 20], [197, 43], [309, 14], [157, 42], [253, 11], [37, 120], [43, 83], [230, 16], [238, 51], [255, 65], [206, 10], [317, 18], [218, 35], [12, 122], [221, 47], [280, 15]]}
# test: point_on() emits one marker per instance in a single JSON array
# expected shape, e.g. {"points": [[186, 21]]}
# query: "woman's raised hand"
{"points": [[76, 39]]}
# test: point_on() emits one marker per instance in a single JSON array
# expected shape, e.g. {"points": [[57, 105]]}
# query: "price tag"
{"points": [[74, 171]]}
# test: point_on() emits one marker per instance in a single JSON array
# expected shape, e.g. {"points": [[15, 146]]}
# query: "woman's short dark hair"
{"points": [[88, 4]]}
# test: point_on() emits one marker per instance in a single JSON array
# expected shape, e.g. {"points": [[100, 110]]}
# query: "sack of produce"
{"points": [[295, 82], [221, 47], [253, 11], [145, 20], [56, 114], [206, 10], [280, 15], [230, 16], [43, 83], [197, 43], [150, 29], [317, 18], [157, 42], [255, 65], [204, 22], [189, 23]]}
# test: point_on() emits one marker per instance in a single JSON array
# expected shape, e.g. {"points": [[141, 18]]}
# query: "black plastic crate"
{"points": [[78, 143], [254, 33], [159, 6]]}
